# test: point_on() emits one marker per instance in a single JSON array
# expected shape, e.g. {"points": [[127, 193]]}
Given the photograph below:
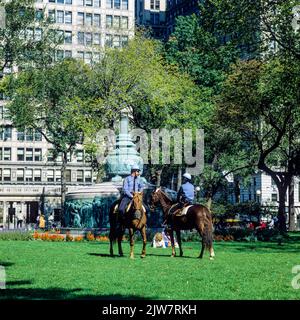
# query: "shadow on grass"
{"points": [[58, 294], [18, 282], [6, 264], [260, 247]]}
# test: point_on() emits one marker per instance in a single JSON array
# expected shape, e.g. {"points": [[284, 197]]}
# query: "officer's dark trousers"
{"points": [[123, 204]]}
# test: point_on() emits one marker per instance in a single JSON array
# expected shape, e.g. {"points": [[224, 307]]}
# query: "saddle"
{"points": [[179, 211]]}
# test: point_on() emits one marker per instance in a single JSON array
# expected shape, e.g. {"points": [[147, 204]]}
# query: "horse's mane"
{"points": [[166, 196]]}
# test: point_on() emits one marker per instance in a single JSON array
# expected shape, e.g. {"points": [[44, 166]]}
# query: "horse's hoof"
{"points": [[132, 257], [143, 256], [121, 255], [211, 258]]}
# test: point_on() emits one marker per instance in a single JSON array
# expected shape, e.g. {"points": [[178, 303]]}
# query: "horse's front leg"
{"points": [[144, 237], [131, 234], [111, 240], [172, 242], [178, 234]]}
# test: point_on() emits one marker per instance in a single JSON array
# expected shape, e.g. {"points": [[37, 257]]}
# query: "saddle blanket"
{"points": [[181, 212]]}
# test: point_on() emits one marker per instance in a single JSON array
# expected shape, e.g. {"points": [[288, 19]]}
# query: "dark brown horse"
{"points": [[197, 217], [134, 219]]}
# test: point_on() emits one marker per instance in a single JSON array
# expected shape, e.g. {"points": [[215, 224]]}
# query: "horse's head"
{"points": [[155, 198]]}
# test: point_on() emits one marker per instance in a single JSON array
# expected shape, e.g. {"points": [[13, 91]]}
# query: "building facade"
{"points": [[160, 15], [28, 171]]}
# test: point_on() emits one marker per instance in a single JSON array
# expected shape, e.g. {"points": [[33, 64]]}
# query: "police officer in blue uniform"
{"points": [[185, 195], [186, 192], [131, 184]]}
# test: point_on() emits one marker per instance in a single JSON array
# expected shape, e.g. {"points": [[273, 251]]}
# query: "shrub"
{"points": [[16, 235], [90, 236], [78, 239]]}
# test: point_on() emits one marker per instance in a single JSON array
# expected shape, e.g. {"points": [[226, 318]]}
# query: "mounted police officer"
{"points": [[185, 195], [131, 184], [186, 192]]}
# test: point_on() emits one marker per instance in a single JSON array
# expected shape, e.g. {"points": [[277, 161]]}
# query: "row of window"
{"points": [[27, 135], [30, 175], [35, 154], [110, 4]]}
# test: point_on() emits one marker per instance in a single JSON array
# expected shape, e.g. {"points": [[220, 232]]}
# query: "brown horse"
{"points": [[197, 216], [134, 219]]}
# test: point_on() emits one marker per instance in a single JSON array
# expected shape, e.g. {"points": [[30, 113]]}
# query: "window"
{"points": [[29, 135], [68, 17], [37, 175], [68, 1], [88, 39], [97, 3], [28, 175], [109, 4], [152, 4], [7, 154], [68, 54], [6, 174], [108, 40], [20, 174], [50, 155], [80, 38], [5, 133], [97, 39], [108, 21], [117, 42], [80, 55], [0, 154], [88, 57], [60, 16], [39, 14], [124, 41], [51, 15], [60, 1], [80, 18], [88, 19], [79, 155], [38, 154], [20, 135], [157, 4], [97, 20], [20, 154], [124, 22], [79, 175], [124, 4], [274, 197], [116, 22], [68, 175], [89, 3], [29, 154], [50, 175], [68, 37], [80, 2], [59, 55], [57, 175], [88, 176], [37, 136], [117, 4]]}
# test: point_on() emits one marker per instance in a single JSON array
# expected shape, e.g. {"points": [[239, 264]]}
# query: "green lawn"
{"points": [[49, 270]]}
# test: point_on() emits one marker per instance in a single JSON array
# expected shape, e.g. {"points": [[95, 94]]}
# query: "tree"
{"points": [[57, 102], [25, 36], [260, 100]]}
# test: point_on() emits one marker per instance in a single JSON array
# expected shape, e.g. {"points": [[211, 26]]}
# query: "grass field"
{"points": [[50, 270]]}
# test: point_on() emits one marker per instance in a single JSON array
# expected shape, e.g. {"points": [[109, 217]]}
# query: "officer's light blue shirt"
{"points": [[128, 185], [188, 190]]}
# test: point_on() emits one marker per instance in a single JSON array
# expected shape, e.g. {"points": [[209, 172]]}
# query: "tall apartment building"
{"points": [[28, 171], [160, 15]]}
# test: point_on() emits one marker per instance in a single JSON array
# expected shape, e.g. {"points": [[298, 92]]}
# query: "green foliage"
{"points": [[16, 235], [26, 39]]}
